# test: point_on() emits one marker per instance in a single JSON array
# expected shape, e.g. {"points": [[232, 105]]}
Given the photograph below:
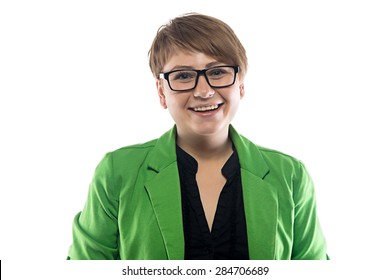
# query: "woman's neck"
{"points": [[206, 147]]}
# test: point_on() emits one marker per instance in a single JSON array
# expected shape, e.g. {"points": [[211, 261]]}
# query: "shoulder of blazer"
{"points": [[153, 155], [274, 156], [290, 172], [283, 165], [131, 156], [263, 161]]}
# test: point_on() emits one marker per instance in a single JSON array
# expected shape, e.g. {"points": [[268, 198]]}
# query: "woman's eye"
{"points": [[183, 76], [216, 72]]}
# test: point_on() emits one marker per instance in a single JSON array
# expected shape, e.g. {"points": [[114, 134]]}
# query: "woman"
{"points": [[200, 191]]}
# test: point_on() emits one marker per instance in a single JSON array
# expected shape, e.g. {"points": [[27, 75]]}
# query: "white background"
{"points": [[75, 84]]}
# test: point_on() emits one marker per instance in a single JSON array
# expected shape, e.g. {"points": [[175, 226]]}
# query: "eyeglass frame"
{"points": [[199, 73]]}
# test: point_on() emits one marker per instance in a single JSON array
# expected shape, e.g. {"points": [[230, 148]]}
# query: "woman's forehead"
{"points": [[193, 59], [196, 60]]}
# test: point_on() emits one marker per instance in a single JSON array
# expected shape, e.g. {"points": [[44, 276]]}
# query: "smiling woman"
{"points": [[200, 191]]}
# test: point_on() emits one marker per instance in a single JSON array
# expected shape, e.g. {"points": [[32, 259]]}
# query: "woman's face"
{"points": [[203, 110]]}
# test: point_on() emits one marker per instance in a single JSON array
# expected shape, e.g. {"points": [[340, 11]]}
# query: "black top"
{"points": [[228, 238]]}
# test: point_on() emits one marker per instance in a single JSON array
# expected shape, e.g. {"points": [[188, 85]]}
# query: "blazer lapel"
{"points": [[163, 187], [260, 199], [261, 212]]}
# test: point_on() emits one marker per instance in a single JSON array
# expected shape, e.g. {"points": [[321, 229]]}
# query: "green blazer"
{"points": [[133, 209]]}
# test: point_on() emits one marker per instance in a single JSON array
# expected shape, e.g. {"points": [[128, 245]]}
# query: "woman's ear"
{"points": [[161, 94], [242, 91]]}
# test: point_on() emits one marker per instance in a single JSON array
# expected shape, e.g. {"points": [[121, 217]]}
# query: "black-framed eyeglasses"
{"points": [[187, 79]]}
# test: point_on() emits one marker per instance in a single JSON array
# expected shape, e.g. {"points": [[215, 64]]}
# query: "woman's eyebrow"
{"points": [[181, 67], [214, 63]]}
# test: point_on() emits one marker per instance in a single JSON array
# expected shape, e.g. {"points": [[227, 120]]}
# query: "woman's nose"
{"points": [[203, 89]]}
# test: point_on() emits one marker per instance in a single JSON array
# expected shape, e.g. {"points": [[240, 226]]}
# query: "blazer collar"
{"points": [[260, 198], [164, 153], [251, 159]]}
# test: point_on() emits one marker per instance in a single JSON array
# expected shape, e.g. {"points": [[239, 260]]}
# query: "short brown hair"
{"points": [[199, 33]]}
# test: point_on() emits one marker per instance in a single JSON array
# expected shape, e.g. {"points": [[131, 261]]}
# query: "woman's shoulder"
{"points": [[276, 154], [279, 156], [268, 154], [282, 164], [135, 153], [134, 148]]}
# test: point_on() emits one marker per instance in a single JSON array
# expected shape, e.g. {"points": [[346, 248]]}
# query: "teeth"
{"points": [[208, 108]]}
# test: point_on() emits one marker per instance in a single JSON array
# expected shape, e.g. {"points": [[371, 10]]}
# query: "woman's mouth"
{"points": [[206, 108], [208, 111]]}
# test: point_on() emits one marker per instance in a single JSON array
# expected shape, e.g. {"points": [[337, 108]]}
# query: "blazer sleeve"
{"points": [[309, 242], [95, 229]]}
